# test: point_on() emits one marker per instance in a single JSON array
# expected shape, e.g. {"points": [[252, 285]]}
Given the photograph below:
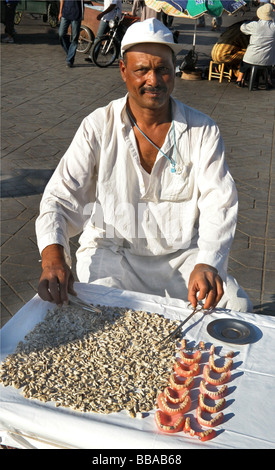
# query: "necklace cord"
{"points": [[171, 160]]}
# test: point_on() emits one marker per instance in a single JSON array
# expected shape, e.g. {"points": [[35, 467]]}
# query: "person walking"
{"points": [[70, 14], [8, 12]]}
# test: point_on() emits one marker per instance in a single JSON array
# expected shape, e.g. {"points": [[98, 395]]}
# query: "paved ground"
{"points": [[43, 104]]}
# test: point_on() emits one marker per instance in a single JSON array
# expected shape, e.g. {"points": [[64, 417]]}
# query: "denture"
{"points": [[175, 396], [219, 370], [190, 358], [172, 408], [211, 409], [169, 423], [209, 422], [224, 377], [213, 394], [186, 371], [178, 383]]}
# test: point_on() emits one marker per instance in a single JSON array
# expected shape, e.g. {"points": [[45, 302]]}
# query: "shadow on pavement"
{"points": [[25, 183]]}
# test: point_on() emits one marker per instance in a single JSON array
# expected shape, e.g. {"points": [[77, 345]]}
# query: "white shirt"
{"points": [[115, 12], [100, 188], [261, 47]]}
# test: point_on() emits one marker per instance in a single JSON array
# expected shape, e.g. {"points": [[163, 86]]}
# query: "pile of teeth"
{"points": [[89, 362]]}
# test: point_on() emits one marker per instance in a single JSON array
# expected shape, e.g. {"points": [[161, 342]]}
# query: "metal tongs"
{"points": [[74, 300], [198, 308]]}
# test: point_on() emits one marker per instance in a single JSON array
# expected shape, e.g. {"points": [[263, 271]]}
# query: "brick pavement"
{"points": [[43, 104]]}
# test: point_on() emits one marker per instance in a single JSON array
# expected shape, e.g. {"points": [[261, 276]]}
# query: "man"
{"points": [[261, 47], [111, 9], [146, 183], [230, 47], [8, 10], [70, 14], [140, 8]]}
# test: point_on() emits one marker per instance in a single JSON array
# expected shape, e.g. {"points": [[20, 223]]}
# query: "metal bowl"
{"points": [[232, 331]]}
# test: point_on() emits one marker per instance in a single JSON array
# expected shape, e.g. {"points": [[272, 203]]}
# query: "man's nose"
{"points": [[152, 78]]}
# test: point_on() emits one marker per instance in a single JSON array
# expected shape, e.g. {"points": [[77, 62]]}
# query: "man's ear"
{"points": [[122, 67]]}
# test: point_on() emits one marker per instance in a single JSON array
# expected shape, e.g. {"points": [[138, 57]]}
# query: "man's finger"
{"points": [[220, 290], [43, 291], [215, 294], [210, 300], [71, 285], [204, 290], [54, 288], [192, 295], [63, 293]]}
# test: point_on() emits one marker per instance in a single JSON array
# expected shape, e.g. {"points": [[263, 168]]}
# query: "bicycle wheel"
{"points": [[104, 54], [85, 40], [53, 14], [17, 17]]}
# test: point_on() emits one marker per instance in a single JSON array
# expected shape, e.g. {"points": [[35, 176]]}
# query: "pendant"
{"points": [[178, 169]]}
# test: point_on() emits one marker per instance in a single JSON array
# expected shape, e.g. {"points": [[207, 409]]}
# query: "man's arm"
{"points": [[64, 212], [110, 8], [56, 280], [60, 9], [218, 208], [248, 28]]}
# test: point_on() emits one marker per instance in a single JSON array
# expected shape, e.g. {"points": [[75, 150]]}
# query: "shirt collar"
{"points": [[178, 112]]}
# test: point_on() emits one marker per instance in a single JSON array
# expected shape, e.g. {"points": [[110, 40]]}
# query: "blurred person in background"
{"points": [[8, 9], [261, 47], [141, 9], [111, 9], [216, 23], [70, 15], [231, 47]]}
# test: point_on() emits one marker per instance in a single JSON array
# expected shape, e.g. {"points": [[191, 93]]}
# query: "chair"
{"points": [[255, 71], [221, 73]]}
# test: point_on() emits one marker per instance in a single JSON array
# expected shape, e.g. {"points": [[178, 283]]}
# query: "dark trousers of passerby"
{"points": [[103, 28], [69, 44], [167, 19], [9, 14]]}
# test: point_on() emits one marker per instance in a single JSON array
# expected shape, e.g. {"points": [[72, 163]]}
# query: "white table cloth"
{"points": [[249, 414]]}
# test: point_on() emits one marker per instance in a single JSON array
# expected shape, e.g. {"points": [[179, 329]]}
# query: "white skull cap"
{"points": [[149, 31]]}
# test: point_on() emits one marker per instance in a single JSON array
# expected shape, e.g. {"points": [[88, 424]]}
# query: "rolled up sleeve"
{"points": [[71, 187], [218, 203]]}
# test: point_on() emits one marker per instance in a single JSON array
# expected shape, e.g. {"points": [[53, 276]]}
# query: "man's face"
{"points": [[149, 74]]}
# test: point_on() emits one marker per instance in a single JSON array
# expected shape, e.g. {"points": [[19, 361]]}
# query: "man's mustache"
{"points": [[152, 89]]}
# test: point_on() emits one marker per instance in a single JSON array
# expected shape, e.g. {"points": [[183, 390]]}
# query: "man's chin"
{"points": [[154, 101]]}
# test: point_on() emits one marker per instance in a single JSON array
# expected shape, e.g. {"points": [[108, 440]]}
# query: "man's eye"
{"points": [[142, 70], [163, 70], [160, 70]]}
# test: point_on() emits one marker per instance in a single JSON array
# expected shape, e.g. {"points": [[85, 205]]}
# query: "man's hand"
{"points": [[56, 280], [206, 280], [60, 10]]}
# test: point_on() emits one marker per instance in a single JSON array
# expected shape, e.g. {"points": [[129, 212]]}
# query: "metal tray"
{"points": [[232, 331]]}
